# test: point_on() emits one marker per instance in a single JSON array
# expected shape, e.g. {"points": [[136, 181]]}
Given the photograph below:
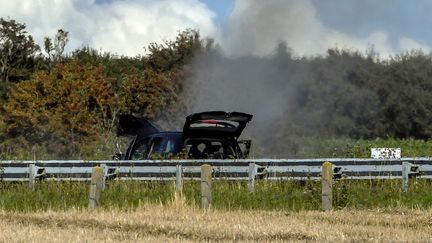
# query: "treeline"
{"points": [[353, 95], [343, 94], [57, 105], [65, 106]]}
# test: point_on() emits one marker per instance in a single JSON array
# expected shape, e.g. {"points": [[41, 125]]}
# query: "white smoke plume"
{"points": [[256, 27]]}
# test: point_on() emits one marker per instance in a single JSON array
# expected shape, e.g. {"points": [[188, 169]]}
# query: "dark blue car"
{"points": [[205, 135]]}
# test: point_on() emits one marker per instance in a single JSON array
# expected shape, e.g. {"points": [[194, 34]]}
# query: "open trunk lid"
{"points": [[215, 124]]}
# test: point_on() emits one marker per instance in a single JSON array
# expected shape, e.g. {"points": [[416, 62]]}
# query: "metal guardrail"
{"points": [[273, 169]]}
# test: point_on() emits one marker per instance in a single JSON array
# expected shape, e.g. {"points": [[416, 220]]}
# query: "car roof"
{"points": [[170, 135]]}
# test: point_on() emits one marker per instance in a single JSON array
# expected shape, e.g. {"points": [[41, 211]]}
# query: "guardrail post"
{"points": [[179, 178], [406, 168], [32, 170], [206, 178], [327, 181], [95, 187], [253, 169]]}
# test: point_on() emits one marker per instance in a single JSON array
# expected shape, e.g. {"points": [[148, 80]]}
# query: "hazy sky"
{"points": [[241, 26]]}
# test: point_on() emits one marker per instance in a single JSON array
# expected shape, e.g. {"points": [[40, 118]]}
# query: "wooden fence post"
{"points": [[252, 174], [95, 187], [405, 175], [327, 181], [179, 178], [32, 170], [206, 179]]}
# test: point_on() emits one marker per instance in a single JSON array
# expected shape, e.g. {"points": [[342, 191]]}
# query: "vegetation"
{"points": [[349, 95], [179, 223], [316, 147], [18, 54], [57, 105], [67, 106], [279, 195]]}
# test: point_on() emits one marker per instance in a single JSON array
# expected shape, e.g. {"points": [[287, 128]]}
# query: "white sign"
{"points": [[385, 153]]}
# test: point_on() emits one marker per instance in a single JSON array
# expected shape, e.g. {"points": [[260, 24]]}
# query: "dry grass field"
{"points": [[180, 223]]}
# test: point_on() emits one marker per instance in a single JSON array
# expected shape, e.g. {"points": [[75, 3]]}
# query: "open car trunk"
{"points": [[215, 124]]}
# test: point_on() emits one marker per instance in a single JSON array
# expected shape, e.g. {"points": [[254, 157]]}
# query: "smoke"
{"points": [[255, 27], [247, 84], [263, 69], [255, 72]]}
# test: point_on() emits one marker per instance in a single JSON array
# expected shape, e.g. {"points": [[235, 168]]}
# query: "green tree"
{"points": [[17, 53], [174, 54], [55, 49]]}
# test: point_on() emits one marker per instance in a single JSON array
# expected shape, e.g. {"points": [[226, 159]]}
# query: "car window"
{"points": [[155, 148], [214, 150], [208, 149], [141, 150], [169, 148]]}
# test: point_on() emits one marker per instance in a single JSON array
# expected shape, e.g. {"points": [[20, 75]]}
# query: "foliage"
{"points": [[61, 110], [228, 195], [349, 95], [17, 52], [69, 108], [318, 147], [172, 54], [55, 49]]}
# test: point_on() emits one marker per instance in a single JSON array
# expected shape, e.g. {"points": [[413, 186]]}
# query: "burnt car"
{"points": [[205, 135]]}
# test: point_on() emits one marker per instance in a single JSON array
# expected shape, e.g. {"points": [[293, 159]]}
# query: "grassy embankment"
{"points": [[280, 195]]}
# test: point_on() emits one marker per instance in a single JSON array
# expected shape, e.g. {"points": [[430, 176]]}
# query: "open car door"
{"points": [[215, 124], [135, 126]]}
